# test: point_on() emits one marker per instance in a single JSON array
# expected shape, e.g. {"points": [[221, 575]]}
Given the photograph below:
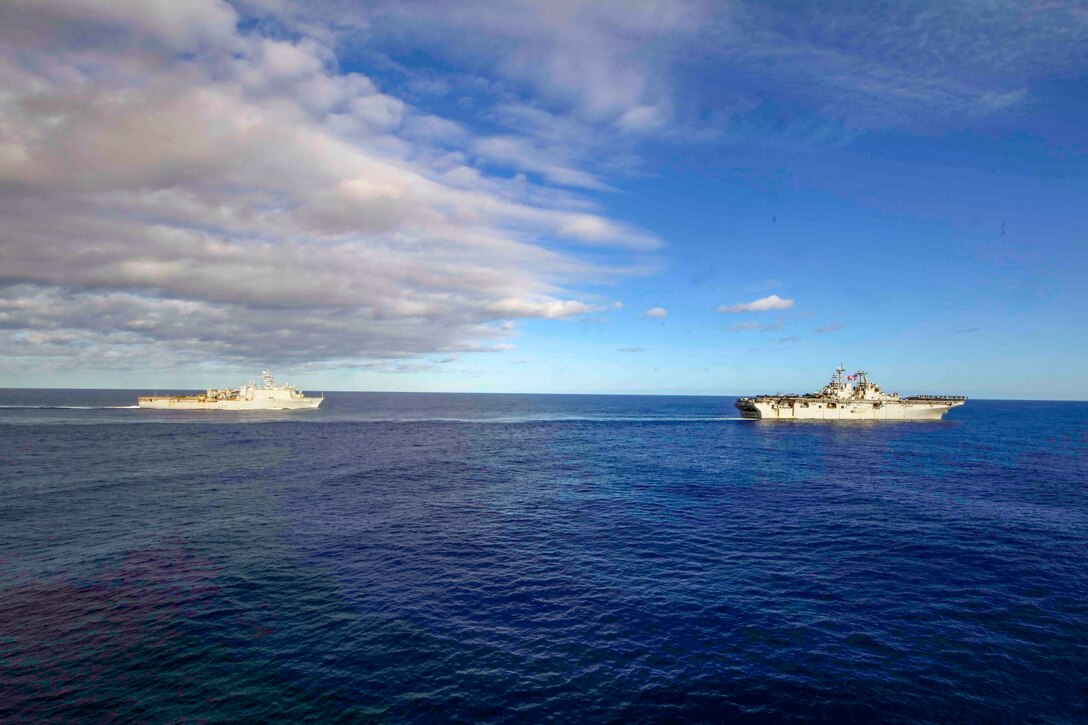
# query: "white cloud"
{"points": [[175, 190], [595, 230], [630, 348], [547, 309], [763, 304], [655, 312], [501, 347], [828, 328]]}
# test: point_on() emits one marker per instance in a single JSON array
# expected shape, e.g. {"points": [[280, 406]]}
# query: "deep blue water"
{"points": [[416, 558]]}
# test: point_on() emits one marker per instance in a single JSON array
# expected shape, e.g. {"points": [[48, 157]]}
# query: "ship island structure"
{"points": [[267, 396], [850, 397]]}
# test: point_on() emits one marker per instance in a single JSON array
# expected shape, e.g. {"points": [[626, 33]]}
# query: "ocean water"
{"points": [[479, 558]]}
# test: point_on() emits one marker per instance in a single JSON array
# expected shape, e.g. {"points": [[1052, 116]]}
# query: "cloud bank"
{"points": [[178, 189]]}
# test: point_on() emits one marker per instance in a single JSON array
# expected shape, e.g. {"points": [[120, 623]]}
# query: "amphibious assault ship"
{"points": [[267, 396], [852, 397]]}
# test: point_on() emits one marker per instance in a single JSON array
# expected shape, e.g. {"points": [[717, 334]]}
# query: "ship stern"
{"points": [[748, 409]]}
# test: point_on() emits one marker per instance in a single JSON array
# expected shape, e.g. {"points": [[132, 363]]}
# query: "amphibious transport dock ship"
{"points": [[852, 398], [268, 396]]}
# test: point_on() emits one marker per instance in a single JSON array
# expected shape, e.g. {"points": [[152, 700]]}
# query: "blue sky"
{"points": [[482, 197]]}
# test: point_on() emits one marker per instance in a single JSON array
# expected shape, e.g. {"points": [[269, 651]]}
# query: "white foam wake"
{"points": [[69, 407]]}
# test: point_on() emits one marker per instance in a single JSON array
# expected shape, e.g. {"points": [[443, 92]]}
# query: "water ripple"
{"points": [[569, 569]]}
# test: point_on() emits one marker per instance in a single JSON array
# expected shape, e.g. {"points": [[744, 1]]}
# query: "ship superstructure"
{"points": [[848, 397], [267, 396]]}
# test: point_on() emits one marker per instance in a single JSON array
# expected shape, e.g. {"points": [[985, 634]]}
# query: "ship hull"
{"points": [[797, 409], [185, 403]]}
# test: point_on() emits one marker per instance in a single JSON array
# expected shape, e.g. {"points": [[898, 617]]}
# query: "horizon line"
{"points": [[617, 395]]}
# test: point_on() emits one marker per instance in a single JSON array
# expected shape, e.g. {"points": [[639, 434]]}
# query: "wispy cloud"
{"points": [[591, 57], [641, 71], [656, 312], [828, 328], [763, 304], [760, 326], [630, 349], [870, 67], [520, 153]]}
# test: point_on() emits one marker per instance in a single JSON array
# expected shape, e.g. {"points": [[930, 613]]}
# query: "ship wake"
{"points": [[69, 407]]}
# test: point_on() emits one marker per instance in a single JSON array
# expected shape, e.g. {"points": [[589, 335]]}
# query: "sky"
{"points": [[545, 196]]}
